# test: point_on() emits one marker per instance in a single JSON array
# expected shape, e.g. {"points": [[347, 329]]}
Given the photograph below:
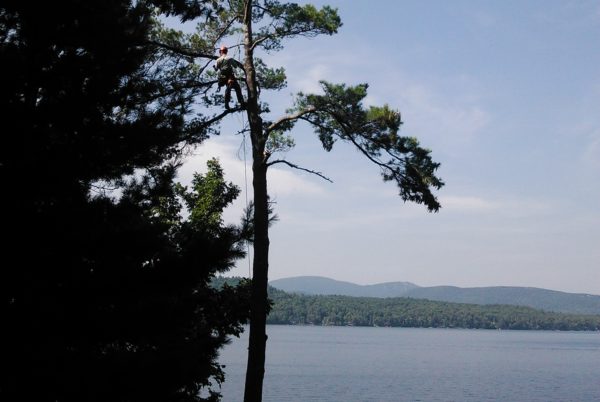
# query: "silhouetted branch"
{"points": [[182, 52], [290, 117], [300, 168], [205, 124]]}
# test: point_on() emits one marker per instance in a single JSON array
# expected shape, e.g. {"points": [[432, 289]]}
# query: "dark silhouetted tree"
{"points": [[106, 263]]}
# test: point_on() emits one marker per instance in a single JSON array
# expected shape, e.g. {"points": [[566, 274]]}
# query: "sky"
{"points": [[506, 94]]}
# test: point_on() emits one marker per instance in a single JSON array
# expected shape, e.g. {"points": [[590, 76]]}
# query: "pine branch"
{"points": [[177, 88], [223, 31], [383, 165], [350, 137], [291, 117], [182, 52], [300, 168], [206, 124], [260, 40]]}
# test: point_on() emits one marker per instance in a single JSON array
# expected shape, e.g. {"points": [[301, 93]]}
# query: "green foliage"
{"points": [[187, 10], [269, 78], [219, 282], [279, 142], [296, 309], [210, 195], [338, 114], [173, 37], [186, 65], [290, 20], [543, 299], [247, 233]]}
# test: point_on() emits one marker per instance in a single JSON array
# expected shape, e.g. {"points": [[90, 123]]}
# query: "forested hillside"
{"points": [[543, 299], [406, 312], [298, 309]]}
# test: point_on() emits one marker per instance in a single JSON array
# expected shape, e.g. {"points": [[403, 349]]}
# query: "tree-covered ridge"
{"points": [[537, 298], [296, 309]]}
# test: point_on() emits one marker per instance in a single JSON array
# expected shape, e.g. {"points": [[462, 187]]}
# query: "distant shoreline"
{"points": [[451, 328], [407, 312]]}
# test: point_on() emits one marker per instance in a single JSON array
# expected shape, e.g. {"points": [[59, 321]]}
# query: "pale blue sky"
{"points": [[507, 96]]}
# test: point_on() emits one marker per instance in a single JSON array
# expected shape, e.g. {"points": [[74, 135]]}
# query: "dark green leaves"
{"points": [[210, 195], [269, 78]]}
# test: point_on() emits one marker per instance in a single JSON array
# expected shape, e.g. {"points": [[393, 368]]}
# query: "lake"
{"points": [[352, 364]]}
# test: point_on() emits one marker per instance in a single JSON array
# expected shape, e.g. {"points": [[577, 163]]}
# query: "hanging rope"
{"points": [[246, 194], [242, 123]]}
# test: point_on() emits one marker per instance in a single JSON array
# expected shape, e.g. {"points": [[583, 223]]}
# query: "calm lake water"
{"points": [[351, 364]]}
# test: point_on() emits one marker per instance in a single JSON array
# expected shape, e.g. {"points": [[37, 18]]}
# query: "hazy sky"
{"points": [[507, 96]]}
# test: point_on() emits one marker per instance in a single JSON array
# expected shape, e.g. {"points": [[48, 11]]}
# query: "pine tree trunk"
{"points": [[255, 369], [258, 316]]}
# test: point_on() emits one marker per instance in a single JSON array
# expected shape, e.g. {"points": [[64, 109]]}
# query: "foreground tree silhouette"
{"points": [[104, 287], [337, 114]]}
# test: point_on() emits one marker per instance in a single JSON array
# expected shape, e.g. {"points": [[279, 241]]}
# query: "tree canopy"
{"points": [[106, 261]]}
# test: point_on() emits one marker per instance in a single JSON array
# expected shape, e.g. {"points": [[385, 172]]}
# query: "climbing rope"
{"points": [[244, 129], [246, 194], [242, 122]]}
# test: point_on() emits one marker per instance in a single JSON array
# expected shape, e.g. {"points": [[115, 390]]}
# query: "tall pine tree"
{"points": [[337, 114]]}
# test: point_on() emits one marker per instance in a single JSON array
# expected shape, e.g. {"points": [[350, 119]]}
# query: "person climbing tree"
{"points": [[225, 65]]}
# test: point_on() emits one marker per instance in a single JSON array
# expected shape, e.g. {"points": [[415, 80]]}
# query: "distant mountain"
{"points": [[318, 285], [544, 299]]}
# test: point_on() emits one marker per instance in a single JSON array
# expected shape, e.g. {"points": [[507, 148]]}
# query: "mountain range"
{"points": [[543, 299]]}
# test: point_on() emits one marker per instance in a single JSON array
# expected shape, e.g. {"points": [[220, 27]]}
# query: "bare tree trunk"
{"points": [[258, 315], [255, 369]]}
